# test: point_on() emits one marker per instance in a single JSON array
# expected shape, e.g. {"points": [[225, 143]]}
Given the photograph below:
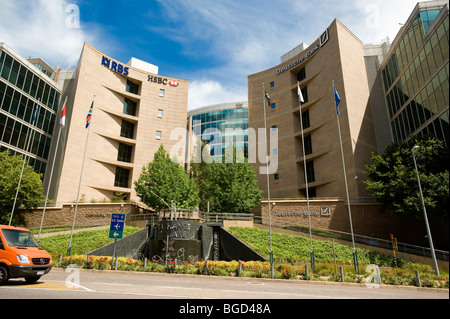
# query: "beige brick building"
{"points": [[337, 55], [135, 111]]}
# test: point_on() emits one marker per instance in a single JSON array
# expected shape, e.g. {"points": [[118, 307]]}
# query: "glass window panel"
{"points": [[46, 94], [15, 134], [22, 107], [436, 49], [21, 77], [424, 105], [40, 90], [2, 125], [7, 66], [28, 81], [34, 86], [443, 79], [438, 93], [7, 98], [15, 103], [432, 100], [8, 130]]}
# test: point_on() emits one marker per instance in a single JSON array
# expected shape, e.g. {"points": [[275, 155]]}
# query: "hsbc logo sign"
{"points": [[163, 81]]}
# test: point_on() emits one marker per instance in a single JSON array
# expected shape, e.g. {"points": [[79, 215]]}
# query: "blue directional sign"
{"points": [[117, 225]]}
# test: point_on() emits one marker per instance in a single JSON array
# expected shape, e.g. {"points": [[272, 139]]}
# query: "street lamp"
{"points": [[430, 240]]}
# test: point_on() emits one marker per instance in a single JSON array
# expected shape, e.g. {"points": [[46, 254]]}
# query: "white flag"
{"points": [[62, 121], [299, 92]]}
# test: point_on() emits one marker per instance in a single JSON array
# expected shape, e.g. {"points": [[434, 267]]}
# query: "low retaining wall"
{"points": [[88, 214]]}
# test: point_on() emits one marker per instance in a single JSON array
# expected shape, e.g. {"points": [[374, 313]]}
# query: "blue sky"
{"points": [[214, 44]]}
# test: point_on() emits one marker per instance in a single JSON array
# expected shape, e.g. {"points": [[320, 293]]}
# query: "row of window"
{"points": [[39, 166], [220, 126], [220, 116], [20, 106], [413, 41], [27, 81], [17, 135]]}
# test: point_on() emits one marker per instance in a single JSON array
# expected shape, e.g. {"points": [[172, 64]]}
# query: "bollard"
{"points": [[240, 269], [206, 267], [418, 279], [145, 264], [306, 272], [342, 273], [60, 258]]}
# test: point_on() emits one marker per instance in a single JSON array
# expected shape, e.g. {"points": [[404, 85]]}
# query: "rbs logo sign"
{"points": [[114, 66]]}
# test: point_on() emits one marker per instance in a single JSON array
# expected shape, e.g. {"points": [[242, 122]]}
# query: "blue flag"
{"points": [[337, 99], [35, 115]]}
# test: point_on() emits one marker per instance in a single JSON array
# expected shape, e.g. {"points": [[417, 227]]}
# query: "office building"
{"points": [[135, 111], [218, 125], [336, 56], [415, 75], [24, 83]]}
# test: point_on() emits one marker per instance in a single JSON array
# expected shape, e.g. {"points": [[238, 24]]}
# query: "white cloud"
{"points": [[43, 29], [209, 92], [248, 37]]}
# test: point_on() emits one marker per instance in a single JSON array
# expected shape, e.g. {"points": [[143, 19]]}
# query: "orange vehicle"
{"points": [[21, 256]]}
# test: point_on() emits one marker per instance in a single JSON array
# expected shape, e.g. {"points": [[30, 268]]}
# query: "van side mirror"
{"points": [[2, 246]]}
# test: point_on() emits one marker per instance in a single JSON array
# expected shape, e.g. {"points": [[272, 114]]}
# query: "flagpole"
{"points": [[268, 186], [300, 98], [34, 118], [355, 257], [79, 186], [51, 175]]}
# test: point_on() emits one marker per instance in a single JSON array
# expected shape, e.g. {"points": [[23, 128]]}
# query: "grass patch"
{"points": [[82, 242], [296, 249]]}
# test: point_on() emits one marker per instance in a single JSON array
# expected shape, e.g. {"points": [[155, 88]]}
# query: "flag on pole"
{"points": [[62, 121], [337, 99], [267, 97], [89, 115], [300, 95], [35, 115]]}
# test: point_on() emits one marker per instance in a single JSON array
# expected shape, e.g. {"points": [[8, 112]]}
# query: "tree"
{"points": [[31, 191], [229, 185], [162, 181], [393, 181]]}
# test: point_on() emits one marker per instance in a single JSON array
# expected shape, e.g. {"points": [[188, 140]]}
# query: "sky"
{"points": [[213, 44]]}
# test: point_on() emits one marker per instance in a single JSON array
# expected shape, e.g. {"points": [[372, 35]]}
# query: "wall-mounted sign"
{"points": [[157, 79], [324, 211], [174, 83], [115, 66], [322, 40]]}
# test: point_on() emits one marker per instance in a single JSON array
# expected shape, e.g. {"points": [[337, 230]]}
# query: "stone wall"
{"points": [[367, 220], [88, 214]]}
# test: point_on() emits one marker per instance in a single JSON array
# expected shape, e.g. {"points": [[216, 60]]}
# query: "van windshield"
{"points": [[22, 238]]}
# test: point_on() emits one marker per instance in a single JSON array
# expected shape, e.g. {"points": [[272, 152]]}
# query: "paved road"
{"points": [[86, 284]]}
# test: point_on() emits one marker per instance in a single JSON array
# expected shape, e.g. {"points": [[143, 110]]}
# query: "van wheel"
{"points": [[32, 280], [3, 275]]}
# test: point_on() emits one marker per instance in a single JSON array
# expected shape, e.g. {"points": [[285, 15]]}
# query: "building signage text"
{"points": [[115, 66], [324, 211], [163, 81], [322, 40]]}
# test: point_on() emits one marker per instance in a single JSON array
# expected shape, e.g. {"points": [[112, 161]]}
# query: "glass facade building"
{"points": [[22, 85], [415, 75], [218, 125]]}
